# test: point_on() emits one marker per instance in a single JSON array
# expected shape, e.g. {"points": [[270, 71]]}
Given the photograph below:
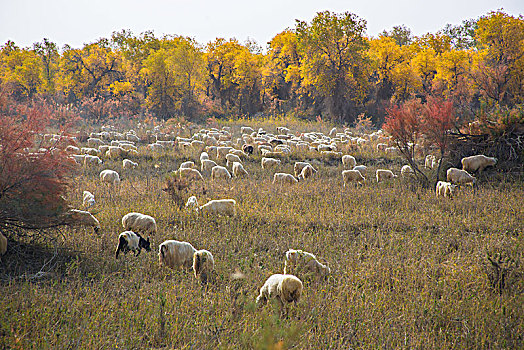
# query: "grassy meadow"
{"points": [[409, 270]]}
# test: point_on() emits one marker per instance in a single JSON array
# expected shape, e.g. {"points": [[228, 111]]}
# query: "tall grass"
{"points": [[409, 270]]}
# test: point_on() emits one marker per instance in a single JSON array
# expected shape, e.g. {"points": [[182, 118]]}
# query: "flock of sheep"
{"points": [[218, 146]]}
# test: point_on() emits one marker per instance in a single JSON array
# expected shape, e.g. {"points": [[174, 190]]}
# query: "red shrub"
{"points": [[32, 181]]}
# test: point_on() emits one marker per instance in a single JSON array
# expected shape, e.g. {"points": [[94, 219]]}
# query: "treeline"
{"points": [[327, 68]]}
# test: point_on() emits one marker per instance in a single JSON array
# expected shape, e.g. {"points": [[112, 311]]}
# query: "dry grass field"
{"points": [[409, 270]]}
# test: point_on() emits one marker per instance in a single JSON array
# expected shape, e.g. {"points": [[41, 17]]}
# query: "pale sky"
{"points": [[77, 22]]}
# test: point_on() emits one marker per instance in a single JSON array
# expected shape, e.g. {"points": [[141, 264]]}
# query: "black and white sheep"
{"points": [[130, 241]]}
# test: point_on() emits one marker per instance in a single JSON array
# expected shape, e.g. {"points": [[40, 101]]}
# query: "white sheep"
{"points": [[207, 165], [222, 151], [203, 156], [460, 177], [352, 176], [175, 254], [72, 149], [115, 152], [94, 142], [348, 161], [189, 173], [430, 161], [477, 163], [91, 160], [110, 177], [138, 222], [301, 261], [238, 153], [407, 171], [77, 217], [284, 288], [219, 206], [331, 154], [220, 172], [203, 264], [90, 151], [88, 199], [187, 165], [78, 158], [230, 158], [362, 168], [129, 164], [297, 168], [130, 241], [381, 147], [238, 170], [269, 162], [3, 244], [445, 189], [192, 203], [283, 178], [383, 174], [306, 173]]}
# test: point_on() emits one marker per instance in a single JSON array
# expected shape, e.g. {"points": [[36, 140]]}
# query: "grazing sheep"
{"points": [[204, 156], [283, 178], [77, 217], [175, 254], [129, 164], [445, 189], [331, 154], [90, 151], [78, 158], [362, 168], [129, 240], [246, 130], [230, 158], [3, 244], [269, 154], [203, 264], [192, 203], [222, 151], [348, 161], [306, 173], [352, 176], [270, 162], [299, 260], [381, 147], [477, 163], [297, 168], [155, 147], [407, 171], [220, 207], [94, 142], [207, 165], [238, 170], [394, 151], [429, 161], [460, 177], [88, 199], [115, 152], [219, 172], [188, 173], [238, 153], [72, 149], [383, 174], [138, 222], [248, 149], [91, 160], [187, 165], [110, 177], [285, 288]]}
